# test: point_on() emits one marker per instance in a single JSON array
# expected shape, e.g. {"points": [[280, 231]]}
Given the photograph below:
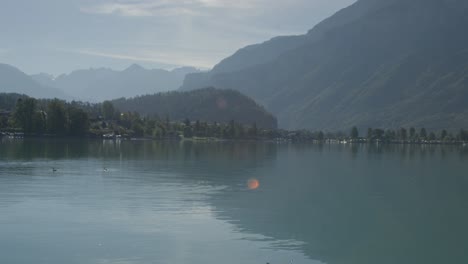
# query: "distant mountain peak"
{"points": [[98, 84], [13, 80], [44, 75], [135, 67], [185, 70]]}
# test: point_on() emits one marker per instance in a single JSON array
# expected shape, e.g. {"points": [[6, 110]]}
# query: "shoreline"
{"points": [[212, 139]]}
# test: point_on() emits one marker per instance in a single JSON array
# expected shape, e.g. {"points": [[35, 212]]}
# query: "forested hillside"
{"points": [[209, 104], [207, 113]]}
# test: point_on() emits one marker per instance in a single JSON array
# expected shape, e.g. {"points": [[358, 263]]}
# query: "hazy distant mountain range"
{"points": [[92, 85], [104, 84], [13, 80], [377, 63]]}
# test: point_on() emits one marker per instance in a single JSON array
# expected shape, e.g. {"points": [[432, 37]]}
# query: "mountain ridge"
{"points": [[99, 84], [13, 80], [375, 63]]}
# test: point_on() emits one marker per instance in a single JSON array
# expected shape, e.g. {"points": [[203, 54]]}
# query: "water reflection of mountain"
{"points": [[361, 205]]}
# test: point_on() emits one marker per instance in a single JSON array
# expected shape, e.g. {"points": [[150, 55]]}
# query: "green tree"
{"points": [[443, 134], [78, 121], [370, 133], [423, 133], [378, 133], [163, 130], [138, 129], [253, 131], [412, 133], [198, 129], [188, 132], [125, 120], [24, 114], [320, 136], [354, 133], [150, 127], [389, 135], [187, 129], [56, 117], [462, 135], [3, 121], [216, 131], [39, 122], [108, 110], [403, 134]]}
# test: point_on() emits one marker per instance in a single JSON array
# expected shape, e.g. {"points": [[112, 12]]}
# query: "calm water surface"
{"points": [[155, 202]]}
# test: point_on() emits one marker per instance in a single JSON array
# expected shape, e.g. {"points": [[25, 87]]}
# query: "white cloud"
{"points": [[174, 32], [138, 9], [210, 30], [143, 8], [229, 3], [168, 58]]}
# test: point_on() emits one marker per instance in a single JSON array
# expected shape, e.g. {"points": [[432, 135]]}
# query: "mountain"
{"points": [[105, 84], [209, 104], [43, 79], [12, 80], [376, 63]]}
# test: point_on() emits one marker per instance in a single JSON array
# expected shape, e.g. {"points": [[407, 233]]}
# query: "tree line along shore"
{"points": [[55, 118]]}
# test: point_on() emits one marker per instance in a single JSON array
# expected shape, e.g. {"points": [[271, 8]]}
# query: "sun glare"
{"points": [[253, 184]]}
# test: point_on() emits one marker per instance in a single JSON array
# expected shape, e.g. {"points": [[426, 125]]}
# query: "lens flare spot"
{"points": [[221, 103], [253, 184]]}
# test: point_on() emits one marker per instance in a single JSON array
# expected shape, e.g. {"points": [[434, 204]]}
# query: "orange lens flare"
{"points": [[221, 103], [253, 184]]}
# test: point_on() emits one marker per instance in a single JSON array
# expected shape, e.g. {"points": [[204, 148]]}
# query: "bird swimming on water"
{"points": [[54, 169]]}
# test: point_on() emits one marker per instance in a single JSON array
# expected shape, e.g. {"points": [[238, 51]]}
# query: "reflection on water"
{"points": [[185, 202], [358, 204]]}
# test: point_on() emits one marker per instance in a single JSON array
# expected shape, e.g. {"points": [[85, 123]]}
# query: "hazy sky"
{"points": [[58, 36]]}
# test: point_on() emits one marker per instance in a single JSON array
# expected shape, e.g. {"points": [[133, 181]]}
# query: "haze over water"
{"points": [[161, 202]]}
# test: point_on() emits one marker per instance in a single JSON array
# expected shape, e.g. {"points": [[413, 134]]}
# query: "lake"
{"points": [[139, 202]]}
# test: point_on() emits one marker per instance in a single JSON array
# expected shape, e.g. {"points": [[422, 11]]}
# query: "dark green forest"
{"points": [[20, 113], [209, 104], [45, 117]]}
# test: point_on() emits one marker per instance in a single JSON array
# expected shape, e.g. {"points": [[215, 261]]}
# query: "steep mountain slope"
{"points": [[104, 84], [376, 63], [12, 80], [209, 104]]}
